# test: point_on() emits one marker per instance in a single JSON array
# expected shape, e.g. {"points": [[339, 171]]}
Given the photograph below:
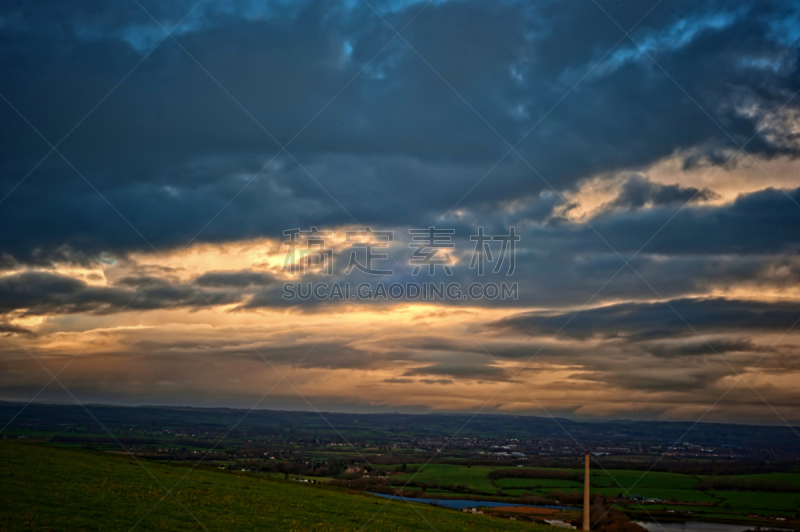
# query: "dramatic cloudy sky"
{"points": [[644, 151]]}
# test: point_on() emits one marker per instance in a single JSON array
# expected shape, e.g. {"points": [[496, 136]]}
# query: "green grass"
{"points": [[695, 496], [671, 486], [44, 488], [476, 477], [675, 487], [543, 483], [792, 478], [760, 500], [520, 492], [653, 479]]}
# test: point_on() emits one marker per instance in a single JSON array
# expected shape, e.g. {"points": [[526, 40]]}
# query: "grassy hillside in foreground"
{"points": [[44, 488]]}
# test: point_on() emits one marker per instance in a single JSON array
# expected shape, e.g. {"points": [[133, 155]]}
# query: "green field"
{"points": [[476, 477], [693, 496], [754, 500], [790, 478], [684, 491], [537, 483], [609, 482], [635, 479], [45, 488]]}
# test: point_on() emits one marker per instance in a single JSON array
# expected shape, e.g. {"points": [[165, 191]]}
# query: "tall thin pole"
{"points": [[586, 495]]}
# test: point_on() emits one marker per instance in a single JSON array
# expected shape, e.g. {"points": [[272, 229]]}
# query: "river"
{"points": [[692, 526], [668, 526], [458, 504]]}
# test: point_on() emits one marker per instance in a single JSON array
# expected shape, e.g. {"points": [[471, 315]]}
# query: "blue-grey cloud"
{"points": [[641, 321], [169, 148], [638, 191]]}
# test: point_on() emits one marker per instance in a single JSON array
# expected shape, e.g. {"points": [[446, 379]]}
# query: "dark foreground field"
{"points": [[44, 488]]}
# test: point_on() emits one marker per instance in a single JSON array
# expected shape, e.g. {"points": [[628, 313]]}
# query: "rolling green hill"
{"points": [[45, 488]]}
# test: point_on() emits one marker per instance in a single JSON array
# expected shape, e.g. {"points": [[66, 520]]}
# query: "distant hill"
{"points": [[53, 418]]}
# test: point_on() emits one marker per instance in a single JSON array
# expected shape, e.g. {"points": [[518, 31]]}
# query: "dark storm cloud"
{"points": [[397, 146], [462, 369], [638, 191], [657, 320], [766, 221], [692, 380], [10, 328], [436, 381], [520, 348], [701, 348], [42, 293], [398, 381], [240, 279], [306, 354], [698, 249], [558, 264]]}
